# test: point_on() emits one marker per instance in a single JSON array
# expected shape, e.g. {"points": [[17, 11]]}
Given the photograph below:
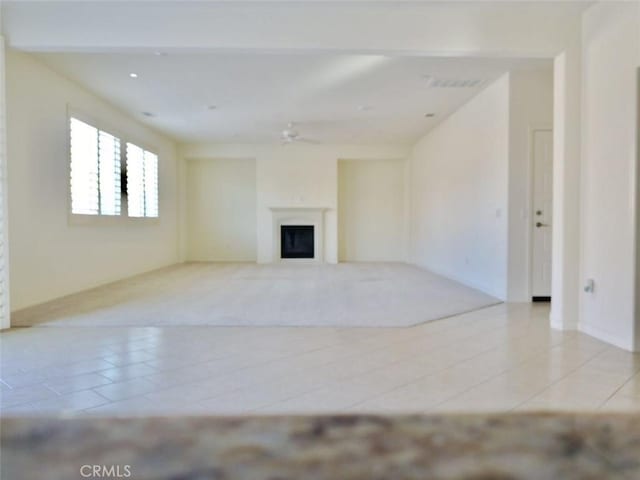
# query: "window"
{"points": [[142, 182], [95, 170]]}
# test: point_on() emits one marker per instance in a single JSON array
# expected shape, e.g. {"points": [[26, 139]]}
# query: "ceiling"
{"points": [[344, 71], [250, 97], [512, 28]]}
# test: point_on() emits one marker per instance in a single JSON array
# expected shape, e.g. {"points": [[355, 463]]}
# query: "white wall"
{"points": [[371, 210], [5, 306], [49, 257], [459, 193], [530, 107], [611, 57], [295, 176], [565, 277], [221, 210], [470, 214]]}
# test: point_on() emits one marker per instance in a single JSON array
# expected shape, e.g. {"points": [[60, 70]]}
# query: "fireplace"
{"points": [[297, 241], [305, 241]]}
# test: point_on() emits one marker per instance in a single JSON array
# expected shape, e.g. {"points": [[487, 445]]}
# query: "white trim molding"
{"points": [[618, 341]]}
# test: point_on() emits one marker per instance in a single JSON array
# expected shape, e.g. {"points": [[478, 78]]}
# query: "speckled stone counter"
{"points": [[487, 447]]}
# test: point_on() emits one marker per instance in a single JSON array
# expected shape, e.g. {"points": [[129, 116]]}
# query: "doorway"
{"points": [[542, 218]]}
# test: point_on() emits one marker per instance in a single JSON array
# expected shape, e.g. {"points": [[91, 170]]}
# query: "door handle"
{"points": [[540, 224]]}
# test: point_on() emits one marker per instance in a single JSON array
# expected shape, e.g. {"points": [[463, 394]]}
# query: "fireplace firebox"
{"points": [[296, 241]]}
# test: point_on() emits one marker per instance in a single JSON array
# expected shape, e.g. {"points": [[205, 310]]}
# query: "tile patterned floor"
{"points": [[496, 359]]}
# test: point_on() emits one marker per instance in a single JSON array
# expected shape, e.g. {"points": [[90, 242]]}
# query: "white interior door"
{"points": [[542, 212]]}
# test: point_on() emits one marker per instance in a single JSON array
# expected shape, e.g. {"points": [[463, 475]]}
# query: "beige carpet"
{"points": [[235, 294]]}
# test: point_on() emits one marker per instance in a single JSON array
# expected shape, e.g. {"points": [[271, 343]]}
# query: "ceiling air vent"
{"points": [[440, 82]]}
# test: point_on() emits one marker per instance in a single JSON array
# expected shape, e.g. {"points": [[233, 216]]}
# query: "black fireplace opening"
{"points": [[296, 241]]}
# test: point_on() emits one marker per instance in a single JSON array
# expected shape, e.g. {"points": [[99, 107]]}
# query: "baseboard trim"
{"points": [[620, 342]]}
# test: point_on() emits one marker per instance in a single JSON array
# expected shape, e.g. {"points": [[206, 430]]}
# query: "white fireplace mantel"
{"points": [[299, 215]]}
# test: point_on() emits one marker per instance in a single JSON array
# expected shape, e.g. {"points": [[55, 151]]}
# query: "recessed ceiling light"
{"points": [[429, 115], [160, 53], [133, 75], [364, 108]]}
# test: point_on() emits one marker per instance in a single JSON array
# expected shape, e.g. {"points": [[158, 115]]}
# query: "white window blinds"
{"points": [[84, 168], [109, 173], [95, 170], [142, 182], [150, 184]]}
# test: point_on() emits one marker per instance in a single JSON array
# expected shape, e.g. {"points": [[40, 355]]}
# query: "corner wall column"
{"points": [[5, 316], [565, 284]]}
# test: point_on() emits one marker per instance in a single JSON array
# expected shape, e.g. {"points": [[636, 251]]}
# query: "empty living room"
{"points": [[319, 239]]}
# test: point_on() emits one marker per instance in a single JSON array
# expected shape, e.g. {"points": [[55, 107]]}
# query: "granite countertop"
{"points": [[478, 447]]}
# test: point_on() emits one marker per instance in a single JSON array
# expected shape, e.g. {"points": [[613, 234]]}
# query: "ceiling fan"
{"points": [[291, 135]]}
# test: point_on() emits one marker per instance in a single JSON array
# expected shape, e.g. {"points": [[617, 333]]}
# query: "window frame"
{"points": [[82, 219]]}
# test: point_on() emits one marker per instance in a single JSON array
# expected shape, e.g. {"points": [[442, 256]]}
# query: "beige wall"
{"points": [[295, 176], [49, 255], [470, 208], [459, 196], [371, 204], [221, 210], [530, 107], [610, 61], [565, 279], [5, 306]]}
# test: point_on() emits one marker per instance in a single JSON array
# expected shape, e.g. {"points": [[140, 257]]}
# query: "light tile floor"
{"points": [[496, 359]]}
